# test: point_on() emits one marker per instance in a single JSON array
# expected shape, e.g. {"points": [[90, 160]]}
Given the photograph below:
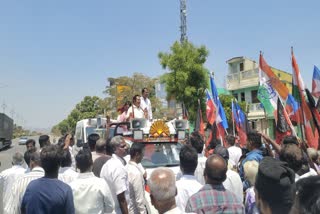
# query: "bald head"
{"points": [[216, 170], [162, 183]]}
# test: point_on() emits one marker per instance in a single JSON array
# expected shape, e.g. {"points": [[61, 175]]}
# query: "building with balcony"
{"points": [[242, 81]]}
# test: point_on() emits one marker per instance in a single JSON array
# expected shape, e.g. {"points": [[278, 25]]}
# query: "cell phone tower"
{"points": [[183, 19]]}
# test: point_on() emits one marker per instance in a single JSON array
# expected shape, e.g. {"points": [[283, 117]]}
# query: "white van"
{"points": [[86, 127]]}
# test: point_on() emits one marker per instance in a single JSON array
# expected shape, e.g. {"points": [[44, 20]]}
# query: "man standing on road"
{"points": [[20, 186], [44, 140], [213, 197], [31, 145], [9, 176], [136, 180], [146, 104], [188, 184], [48, 194], [114, 172], [162, 183], [91, 194]]}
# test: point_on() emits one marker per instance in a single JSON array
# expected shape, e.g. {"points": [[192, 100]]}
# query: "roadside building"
{"points": [[242, 81]]}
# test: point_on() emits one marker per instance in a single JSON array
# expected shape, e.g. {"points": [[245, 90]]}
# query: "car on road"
{"points": [[23, 140]]}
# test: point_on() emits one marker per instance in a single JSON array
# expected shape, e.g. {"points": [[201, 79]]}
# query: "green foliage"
{"points": [[19, 131], [88, 108], [227, 105], [188, 78]]}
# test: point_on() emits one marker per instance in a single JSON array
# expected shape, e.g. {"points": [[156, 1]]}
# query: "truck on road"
{"points": [[6, 130]]}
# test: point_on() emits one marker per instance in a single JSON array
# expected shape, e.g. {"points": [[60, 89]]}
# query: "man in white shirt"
{"points": [[14, 201], [66, 173], [146, 104], [188, 184], [90, 193], [197, 142], [116, 176], [135, 111], [136, 181], [234, 151], [233, 181], [9, 176], [162, 184]]}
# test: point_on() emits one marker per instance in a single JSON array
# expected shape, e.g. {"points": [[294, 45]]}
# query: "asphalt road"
{"points": [[6, 154]]}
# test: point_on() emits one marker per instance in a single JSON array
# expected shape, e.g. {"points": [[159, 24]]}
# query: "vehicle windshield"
{"points": [[100, 132], [161, 154]]}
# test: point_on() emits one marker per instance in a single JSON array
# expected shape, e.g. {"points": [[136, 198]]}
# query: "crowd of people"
{"points": [[107, 177]]}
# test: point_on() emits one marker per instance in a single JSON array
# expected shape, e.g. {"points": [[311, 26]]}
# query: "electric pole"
{"points": [[183, 19]]}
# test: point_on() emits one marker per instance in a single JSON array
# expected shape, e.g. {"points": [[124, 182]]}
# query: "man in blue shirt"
{"points": [[48, 194], [254, 144]]}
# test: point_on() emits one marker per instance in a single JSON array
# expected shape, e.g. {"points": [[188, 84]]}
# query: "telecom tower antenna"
{"points": [[183, 19]]}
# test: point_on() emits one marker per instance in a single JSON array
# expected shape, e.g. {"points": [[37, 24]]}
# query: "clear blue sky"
{"points": [[53, 53]]}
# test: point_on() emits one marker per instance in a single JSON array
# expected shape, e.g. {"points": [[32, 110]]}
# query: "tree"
{"points": [[226, 101], [89, 107], [188, 77], [123, 89]]}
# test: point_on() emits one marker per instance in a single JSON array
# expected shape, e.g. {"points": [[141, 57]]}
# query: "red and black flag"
{"points": [[283, 123]]}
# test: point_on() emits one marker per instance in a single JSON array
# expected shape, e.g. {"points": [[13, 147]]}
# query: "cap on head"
{"points": [[275, 183]]}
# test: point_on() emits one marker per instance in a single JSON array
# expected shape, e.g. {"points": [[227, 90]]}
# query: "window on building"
{"points": [[254, 124], [241, 66], [254, 96], [235, 95], [243, 98]]}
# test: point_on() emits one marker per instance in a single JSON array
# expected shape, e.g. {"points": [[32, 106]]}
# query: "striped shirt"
{"points": [[14, 201], [214, 199], [7, 180]]}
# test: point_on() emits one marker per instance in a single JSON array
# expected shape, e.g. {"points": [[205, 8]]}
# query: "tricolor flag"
{"points": [[311, 134], [274, 81], [267, 94], [316, 82]]}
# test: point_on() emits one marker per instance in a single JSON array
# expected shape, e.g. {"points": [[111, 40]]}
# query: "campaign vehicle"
{"points": [[162, 140], [86, 127]]}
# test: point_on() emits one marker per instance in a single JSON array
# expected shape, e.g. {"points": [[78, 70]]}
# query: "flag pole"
{"points": [[232, 105], [300, 94], [287, 116]]}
